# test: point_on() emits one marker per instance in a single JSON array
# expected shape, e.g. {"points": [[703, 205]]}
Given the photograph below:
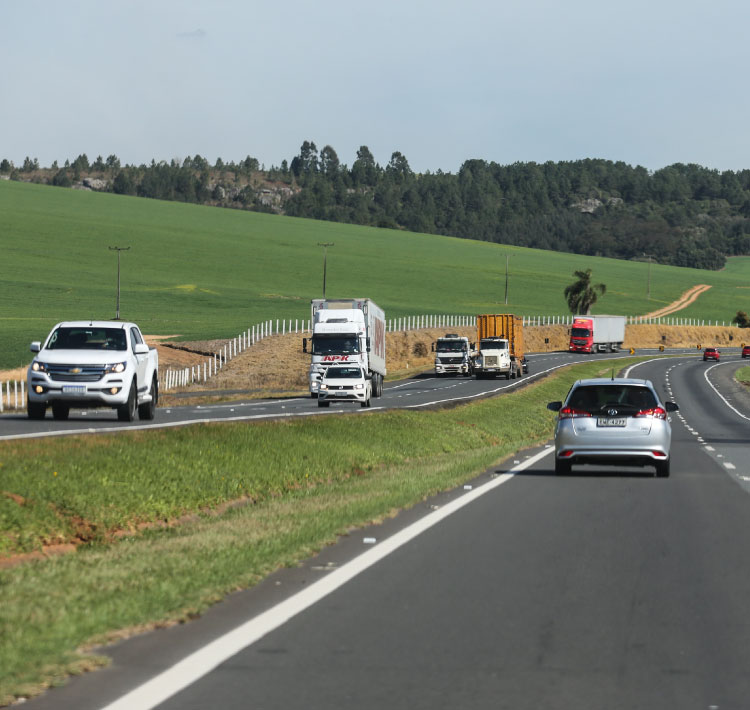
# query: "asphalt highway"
{"points": [[607, 588], [420, 391]]}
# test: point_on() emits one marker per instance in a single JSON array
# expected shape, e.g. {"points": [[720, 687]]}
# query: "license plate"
{"points": [[611, 421], [340, 394], [74, 389]]}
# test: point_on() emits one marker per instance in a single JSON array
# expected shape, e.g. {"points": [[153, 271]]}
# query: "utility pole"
{"points": [[507, 256], [648, 276], [325, 246], [118, 250]]}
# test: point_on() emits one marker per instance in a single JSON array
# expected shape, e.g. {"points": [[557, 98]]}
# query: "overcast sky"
{"points": [[648, 82]]}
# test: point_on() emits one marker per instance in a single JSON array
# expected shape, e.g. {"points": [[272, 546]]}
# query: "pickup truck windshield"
{"points": [[452, 346], [335, 344], [88, 339], [580, 332]]}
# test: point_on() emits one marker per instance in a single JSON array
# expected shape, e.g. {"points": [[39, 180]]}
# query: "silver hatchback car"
{"points": [[612, 421]]}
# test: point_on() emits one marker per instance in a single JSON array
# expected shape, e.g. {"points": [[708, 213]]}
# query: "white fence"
{"points": [[171, 378]]}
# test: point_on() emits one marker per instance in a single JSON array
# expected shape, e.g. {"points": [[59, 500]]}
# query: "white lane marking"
{"points": [[721, 396], [730, 466], [203, 661], [709, 448]]}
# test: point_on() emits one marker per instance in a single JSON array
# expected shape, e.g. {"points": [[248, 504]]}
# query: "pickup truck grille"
{"points": [[340, 387], [67, 373]]}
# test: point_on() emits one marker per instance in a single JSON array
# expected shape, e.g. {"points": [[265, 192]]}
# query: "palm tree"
{"points": [[582, 294]]}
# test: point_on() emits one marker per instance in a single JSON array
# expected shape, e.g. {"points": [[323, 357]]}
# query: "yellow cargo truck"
{"points": [[499, 346]]}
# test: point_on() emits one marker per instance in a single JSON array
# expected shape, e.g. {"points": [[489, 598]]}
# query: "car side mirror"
{"points": [[367, 344], [671, 406], [432, 347], [304, 345], [35, 347], [141, 349], [554, 406]]}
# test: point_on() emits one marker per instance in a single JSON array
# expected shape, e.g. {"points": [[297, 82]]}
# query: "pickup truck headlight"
{"points": [[37, 366], [323, 387], [115, 367], [360, 386]]}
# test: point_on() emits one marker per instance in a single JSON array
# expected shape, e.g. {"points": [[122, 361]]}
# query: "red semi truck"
{"points": [[590, 334]]}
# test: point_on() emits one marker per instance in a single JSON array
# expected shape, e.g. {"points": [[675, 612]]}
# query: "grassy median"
{"points": [[167, 523]]}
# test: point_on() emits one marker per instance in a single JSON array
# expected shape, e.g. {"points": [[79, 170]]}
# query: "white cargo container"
{"points": [[590, 334], [347, 330]]}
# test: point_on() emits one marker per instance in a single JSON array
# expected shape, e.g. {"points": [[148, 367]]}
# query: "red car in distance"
{"points": [[711, 354], [745, 351]]}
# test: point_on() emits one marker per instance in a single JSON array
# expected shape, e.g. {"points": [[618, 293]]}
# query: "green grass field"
{"points": [[202, 272]]}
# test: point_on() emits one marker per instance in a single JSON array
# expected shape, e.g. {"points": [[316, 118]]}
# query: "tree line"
{"points": [[683, 214]]}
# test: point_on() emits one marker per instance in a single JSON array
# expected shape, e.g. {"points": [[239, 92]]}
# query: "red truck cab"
{"points": [[581, 335]]}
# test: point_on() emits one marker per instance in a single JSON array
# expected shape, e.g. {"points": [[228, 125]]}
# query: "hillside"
{"points": [[199, 273], [683, 215]]}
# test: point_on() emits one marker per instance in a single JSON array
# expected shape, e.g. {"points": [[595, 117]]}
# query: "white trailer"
{"points": [[347, 330]]}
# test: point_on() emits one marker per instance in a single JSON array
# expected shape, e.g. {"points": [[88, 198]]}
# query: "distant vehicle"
{"points": [[602, 334], [452, 355], [500, 347], [711, 354], [345, 383], [612, 422], [85, 364], [346, 331], [745, 351]]}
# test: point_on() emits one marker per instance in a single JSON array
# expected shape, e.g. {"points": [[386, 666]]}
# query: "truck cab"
{"points": [[493, 359], [453, 355]]}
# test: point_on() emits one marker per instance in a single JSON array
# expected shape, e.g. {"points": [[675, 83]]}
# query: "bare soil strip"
{"points": [[683, 301]]}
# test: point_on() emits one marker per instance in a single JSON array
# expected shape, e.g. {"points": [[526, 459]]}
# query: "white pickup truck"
{"points": [[86, 364]]}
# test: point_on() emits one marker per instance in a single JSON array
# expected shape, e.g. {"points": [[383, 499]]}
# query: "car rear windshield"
{"points": [[88, 339], [597, 398]]}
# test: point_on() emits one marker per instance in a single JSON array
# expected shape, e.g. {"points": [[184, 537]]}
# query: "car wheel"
{"points": [[662, 469], [148, 409], [322, 404], [36, 410], [562, 468], [126, 412], [60, 411]]}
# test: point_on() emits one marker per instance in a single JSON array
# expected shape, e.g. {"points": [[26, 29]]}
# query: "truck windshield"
{"points": [[343, 373], [580, 332], [493, 344], [450, 346], [335, 344], [88, 339]]}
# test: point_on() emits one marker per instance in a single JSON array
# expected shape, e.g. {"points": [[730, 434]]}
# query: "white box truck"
{"points": [[347, 330]]}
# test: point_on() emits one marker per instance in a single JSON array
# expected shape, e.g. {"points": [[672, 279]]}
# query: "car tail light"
{"points": [[659, 454], [570, 413], [565, 454], [655, 412]]}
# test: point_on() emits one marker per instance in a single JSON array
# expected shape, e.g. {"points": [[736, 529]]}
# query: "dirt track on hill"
{"points": [[683, 301]]}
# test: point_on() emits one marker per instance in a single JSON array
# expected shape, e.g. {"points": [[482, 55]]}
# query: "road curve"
{"points": [[608, 588]]}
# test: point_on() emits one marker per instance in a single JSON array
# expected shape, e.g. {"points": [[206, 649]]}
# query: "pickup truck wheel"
{"points": [[60, 410], [35, 410], [126, 412], [148, 409], [323, 404]]}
